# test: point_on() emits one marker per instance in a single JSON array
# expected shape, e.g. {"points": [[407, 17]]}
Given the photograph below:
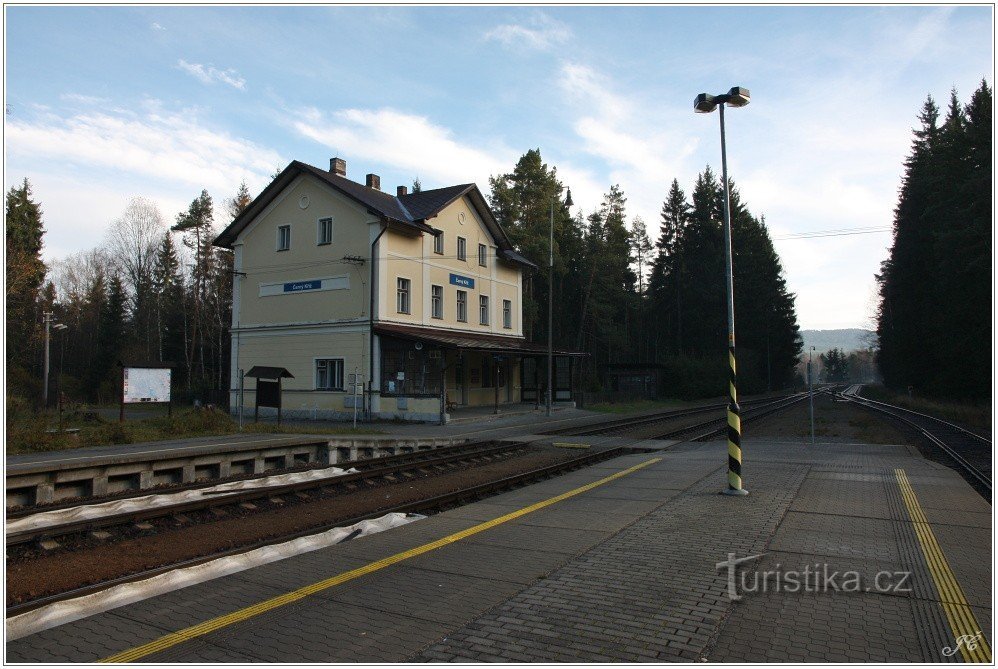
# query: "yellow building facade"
{"points": [[402, 306]]}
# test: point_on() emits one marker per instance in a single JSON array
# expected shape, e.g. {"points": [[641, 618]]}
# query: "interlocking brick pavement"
{"points": [[649, 593]]}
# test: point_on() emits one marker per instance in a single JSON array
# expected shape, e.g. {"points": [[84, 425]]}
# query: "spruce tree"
{"points": [[25, 273]]}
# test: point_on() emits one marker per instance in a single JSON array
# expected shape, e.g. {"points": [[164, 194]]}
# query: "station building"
{"points": [[418, 296]]}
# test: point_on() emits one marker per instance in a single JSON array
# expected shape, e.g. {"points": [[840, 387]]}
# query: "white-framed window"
{"points": [[438, 244], [437, 301], [329, 373], [462, 248], [483, 309], [324, 233], [462, 306], [402, 301], [507, 314], [483, 255], [283, 237]]}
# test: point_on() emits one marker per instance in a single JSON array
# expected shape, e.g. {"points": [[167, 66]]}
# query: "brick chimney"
{"points": [[402, 190], [373, 181], [338, 166]]}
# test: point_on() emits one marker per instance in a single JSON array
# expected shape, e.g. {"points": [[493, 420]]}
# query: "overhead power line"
{"points": [[841, 232]]}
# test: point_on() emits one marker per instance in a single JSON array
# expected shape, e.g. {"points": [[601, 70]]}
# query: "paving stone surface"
{"points": [[651, 592], [625, 572]]}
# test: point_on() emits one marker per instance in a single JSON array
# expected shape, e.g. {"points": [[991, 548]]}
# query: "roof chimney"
{"points": [[402, 190], [338, 166], [373, 181]]}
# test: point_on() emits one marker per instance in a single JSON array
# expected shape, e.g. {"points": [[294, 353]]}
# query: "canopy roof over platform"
{"points": [[467, 341]]}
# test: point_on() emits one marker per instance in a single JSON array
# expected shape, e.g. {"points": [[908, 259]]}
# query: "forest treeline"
{"points": [[151, 291], [934, 315], [154, 290]]}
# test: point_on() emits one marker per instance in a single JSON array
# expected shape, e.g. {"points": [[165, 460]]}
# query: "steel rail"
{"points": [[898, 413], [243, 496], [360, 463], [436, 502], [641, 421]]}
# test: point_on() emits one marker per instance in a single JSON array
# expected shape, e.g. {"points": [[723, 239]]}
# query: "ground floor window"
{"points": [[329, 374]]}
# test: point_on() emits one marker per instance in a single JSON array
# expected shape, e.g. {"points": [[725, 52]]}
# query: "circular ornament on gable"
{"points": [[460, 218], [303, 202]]}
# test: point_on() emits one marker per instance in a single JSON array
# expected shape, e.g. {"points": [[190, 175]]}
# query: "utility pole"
{"points": [[810, 385]]}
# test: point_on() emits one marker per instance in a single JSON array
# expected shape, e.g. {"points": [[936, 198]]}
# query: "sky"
{"points": [[104, 104]]}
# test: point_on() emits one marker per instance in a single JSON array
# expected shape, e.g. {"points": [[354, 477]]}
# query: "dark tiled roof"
{"points": [[381, 202], [428, 203], [473, 341], [410, 210]]}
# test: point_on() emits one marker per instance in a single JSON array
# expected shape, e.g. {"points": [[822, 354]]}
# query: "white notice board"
{"points": [[145, 384]]}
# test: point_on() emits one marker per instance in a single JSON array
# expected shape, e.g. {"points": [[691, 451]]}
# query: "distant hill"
{"points": [[853, 339]]}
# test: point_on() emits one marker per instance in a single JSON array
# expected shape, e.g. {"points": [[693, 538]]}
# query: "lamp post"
{"points": [[704, 104], [48, 318], [568, 203]]}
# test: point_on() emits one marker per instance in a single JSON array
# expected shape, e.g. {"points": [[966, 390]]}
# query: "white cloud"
{"points": [[540, 33], [170, 145], [85, 166], [627, 133], [210, 74], [408, 142], [89, 100], [156, 26]]}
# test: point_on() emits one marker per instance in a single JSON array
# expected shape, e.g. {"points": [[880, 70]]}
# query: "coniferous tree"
{"points": [[935, 302], [25, 273], [196, 224]]}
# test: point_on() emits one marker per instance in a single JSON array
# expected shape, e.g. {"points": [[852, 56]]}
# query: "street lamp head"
{"points": [[738, 96], [568, 199], [60, 326], [704, 103]]}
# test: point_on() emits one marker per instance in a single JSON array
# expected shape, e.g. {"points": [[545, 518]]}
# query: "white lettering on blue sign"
{"points": [[296, 286], [305, 286], [463, 281]]}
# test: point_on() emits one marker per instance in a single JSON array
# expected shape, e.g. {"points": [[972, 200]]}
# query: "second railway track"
{"points": [[971, 452]]}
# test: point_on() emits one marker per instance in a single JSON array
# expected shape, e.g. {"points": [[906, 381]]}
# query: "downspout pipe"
{"points": [[370, 314]]}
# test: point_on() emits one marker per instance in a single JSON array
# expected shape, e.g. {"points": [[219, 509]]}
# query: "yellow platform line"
{"points": [[961, 617], [290, 597]]}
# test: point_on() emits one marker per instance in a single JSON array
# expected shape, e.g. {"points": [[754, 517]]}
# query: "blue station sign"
{"points": [[463, 281], [299, 286]]}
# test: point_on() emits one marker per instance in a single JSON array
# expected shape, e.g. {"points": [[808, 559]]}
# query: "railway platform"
{"points": [[634, 559]]}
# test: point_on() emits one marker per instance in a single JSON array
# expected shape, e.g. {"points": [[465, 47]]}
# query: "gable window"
{"points": [[283, 237], [483, 255], [462, 248], [402, 301], [329, 374], [325, 231], [483, 309], [507, 314], [462, 306], [438, 244], [437, 301]]}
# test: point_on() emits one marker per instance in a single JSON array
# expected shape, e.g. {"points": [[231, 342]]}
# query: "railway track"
{"points": [[378, 472], [91, 533], [971, 452], [361, 464], [625, 425], [426, 505]]}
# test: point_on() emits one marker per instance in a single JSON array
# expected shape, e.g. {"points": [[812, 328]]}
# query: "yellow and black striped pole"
{"points": [[734, 420], [734, 430]]}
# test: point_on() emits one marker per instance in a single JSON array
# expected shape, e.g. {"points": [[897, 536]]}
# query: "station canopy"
{"points": [[467, 341]]}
